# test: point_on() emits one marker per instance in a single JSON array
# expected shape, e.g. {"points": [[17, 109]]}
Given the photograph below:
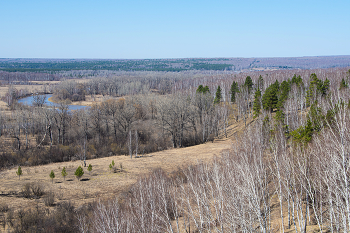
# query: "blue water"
{"points": [[29, 101]]}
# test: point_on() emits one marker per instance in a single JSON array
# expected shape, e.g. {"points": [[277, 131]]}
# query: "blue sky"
{"points": [[138, 29]]}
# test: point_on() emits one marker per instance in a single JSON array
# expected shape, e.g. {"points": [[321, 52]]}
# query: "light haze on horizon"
{"points": [[139, 29]]}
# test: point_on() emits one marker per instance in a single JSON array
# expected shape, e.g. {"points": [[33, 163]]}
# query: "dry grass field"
{"points": [[102, 182]]}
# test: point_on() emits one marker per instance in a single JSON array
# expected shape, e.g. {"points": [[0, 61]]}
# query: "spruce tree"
{"points": [[79, 172], [64, 173], [206, 90], [89, 168], [343, 84], [284, 92], [270, 99], [234, 89], [249, 83], [218, 95], [52, 175], [200, 89], [257, 103], [19, 172]]}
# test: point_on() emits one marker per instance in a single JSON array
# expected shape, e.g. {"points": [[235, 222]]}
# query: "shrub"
{"points": [[49, 199], [4, 207], [26, 190], [37, 189]]}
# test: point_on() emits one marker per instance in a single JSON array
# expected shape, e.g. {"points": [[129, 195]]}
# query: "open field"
{"points": [[102, 183]]}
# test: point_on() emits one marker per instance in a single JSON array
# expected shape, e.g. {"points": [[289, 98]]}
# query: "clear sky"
{"points": [[137, 29]]}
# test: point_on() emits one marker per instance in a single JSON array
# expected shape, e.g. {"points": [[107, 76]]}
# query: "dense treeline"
{"points": [[171, 65]]}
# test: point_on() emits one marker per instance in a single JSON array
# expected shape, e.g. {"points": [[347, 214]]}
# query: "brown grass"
{"points": [[102, 183]]}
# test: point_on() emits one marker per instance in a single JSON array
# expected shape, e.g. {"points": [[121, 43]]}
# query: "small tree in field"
{"points": [[79, 172], [64, 173], [52, 175], [19, 172], [89, 169]]}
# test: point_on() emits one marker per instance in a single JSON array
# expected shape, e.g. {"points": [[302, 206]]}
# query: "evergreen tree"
{"points": [[284, 92], [317, 87], [202, 89], [303, 134], [248, 83], [316, 117], [218, 96], [206, 90], [257, 103], [52, 175], [234, 89], [89, 168], [64, 173], [19, 172], [79, 172], [270, 99], [297, 80], [325, 87], [343, 84]]}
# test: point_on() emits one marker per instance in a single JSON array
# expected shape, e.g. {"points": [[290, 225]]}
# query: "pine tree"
{"points": [[79, 172], [257, 103], [64, 173], [206, 90], [297, 80], [249, 83], [89, 168], [317, 87], [19, 172], [202, 89], [52, 175], [218, 95], [234, 89], [284, 92], [343, 84], [270, 99]]}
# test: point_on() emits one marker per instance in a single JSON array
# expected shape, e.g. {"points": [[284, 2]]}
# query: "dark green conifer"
{"points": [[233, 91], [257, 103], [218, 95], [248, 83]]}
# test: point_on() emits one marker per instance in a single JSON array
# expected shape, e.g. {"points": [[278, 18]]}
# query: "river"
{"points": [[29, 101]]}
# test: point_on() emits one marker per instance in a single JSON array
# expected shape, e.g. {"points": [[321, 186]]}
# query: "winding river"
{"points": [[29, 101]]}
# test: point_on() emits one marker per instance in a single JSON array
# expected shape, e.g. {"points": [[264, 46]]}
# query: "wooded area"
{"points": [[293, 157]]}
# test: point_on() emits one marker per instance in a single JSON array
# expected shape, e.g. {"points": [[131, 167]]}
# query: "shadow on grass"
{"points": [[85, 179]]}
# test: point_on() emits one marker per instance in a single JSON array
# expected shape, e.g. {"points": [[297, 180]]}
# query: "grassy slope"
{"points": [[102, 183]]}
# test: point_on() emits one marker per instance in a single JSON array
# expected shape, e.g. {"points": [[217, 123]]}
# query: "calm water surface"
{"points": [[29, 101]]}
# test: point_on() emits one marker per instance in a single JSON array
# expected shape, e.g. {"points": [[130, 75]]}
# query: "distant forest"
{"points": [[172, 65]]}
